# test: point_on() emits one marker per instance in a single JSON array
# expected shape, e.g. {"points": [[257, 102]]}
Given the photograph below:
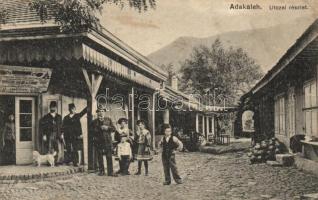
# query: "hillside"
{"points": [[265, 45]]}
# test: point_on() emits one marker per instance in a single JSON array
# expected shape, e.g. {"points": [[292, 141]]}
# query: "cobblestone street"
{"points": [[206, 176]]}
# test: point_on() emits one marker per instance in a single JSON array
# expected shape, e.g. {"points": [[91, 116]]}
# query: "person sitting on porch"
{"points": [[9, 140], [72, 129], [51, 130], [142, 140]]}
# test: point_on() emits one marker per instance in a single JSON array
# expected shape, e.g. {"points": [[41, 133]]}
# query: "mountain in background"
{"points": [[265, 45]]}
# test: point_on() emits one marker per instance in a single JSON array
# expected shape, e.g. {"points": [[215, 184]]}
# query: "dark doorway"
{"points": [[7, 130]]}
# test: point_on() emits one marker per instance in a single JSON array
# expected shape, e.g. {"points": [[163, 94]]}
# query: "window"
{"points": [[25, 122], [310, 108], [291, 111], [280, 115], [310, 95]]}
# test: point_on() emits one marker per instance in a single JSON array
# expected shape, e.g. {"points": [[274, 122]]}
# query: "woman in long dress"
{"points": [[9, 140]]}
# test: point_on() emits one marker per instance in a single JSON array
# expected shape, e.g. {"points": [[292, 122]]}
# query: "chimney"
{"points": [[174, 82]]}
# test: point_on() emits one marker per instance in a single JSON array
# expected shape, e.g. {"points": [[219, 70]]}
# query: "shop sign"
{"points": [[17, 79]]}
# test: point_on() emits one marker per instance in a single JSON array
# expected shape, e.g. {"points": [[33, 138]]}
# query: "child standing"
{"points": [[124, 154], [169, 145], [143, 140]]}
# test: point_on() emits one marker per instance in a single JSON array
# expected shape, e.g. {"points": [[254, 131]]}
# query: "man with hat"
{"points": [[51, 129], [102, 127], [72, 129]]}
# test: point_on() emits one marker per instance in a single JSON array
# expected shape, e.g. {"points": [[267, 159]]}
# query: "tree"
{"points": [[72, 15], [222, 73]]}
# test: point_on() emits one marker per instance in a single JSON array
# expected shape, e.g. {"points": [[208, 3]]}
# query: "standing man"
{"points": [[51, 129], [72, 129], [102, 127]]}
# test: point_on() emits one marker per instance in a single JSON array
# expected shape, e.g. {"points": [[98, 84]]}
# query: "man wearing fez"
{"points": [[51, 129], [72, 129], [102, 127]]}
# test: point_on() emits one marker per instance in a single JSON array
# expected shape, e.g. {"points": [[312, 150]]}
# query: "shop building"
{"points": [[284, 101], [40, 64]]}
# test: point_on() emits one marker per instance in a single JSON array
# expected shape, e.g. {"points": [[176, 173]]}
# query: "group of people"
{"points": [[126, 145], [107, 139], [133, 146], [56, 133]]}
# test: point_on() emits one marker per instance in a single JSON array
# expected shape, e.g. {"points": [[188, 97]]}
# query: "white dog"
{"points": [[44, 159]]}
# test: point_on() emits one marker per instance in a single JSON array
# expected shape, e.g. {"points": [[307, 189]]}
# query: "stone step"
{"points": [[40, 175], [285, 159]]}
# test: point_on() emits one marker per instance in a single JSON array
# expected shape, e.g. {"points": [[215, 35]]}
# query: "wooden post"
{"points": [[151, 119], [90, 150], [203, 125], [196, 122], [207, 126], [138, 114], [132, 109], [93, 82], [212, 124], [166, 116]]}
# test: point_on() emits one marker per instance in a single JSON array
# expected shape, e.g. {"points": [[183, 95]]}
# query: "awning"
{"points": [[103, 61], [65, 50]]}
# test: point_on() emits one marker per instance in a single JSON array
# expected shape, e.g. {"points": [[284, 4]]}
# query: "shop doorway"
{"points": [[7, 143], [25, 129]]}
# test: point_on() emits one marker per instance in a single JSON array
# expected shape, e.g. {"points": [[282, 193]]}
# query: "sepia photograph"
{"points": [[158, 99]]}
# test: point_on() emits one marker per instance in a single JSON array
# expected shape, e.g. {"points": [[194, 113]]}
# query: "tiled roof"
{"points": [[18, 11]]}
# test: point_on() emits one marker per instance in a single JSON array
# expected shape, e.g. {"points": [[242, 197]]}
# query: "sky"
{"points": [[149, 31]]}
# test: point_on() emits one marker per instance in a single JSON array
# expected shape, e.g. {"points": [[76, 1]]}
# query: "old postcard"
{"points": [[158, 99]]}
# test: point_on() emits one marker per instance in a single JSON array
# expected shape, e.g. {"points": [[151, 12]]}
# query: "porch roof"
{"points": [[304, 49], [24, 24], [191, 102]]}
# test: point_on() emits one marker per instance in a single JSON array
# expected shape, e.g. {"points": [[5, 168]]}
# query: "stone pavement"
{"points": [[13, 173], [206, 176]]}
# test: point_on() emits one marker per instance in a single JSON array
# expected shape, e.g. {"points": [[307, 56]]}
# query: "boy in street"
{"points": [[170, 144], [124, 154]]}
